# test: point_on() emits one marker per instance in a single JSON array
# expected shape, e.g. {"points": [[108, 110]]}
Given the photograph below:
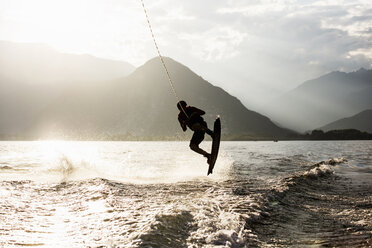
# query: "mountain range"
{"points": [[34, 63], [317, 102], [361, 121], [32, 76], [140, 105]]}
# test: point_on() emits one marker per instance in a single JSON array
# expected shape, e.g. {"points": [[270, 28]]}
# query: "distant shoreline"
{"points": [[315, 135]]}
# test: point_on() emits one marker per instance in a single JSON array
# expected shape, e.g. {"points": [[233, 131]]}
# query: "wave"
{"points": [[299, 182], [320, 169], [169, 230], [5, 167], [293, 183], [314, 207], [297, 212]]}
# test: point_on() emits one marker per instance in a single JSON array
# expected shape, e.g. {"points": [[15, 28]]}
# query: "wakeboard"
{"points": [[215, 144]]}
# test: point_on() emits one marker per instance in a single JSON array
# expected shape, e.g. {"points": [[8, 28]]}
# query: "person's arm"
{"points": [[182, 123], [196, 111]]}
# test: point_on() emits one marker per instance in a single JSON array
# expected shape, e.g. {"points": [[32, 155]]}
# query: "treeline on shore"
{"points": [[344, 134]]}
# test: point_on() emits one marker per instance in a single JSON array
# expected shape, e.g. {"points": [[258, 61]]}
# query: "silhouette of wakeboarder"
{"points": [[191, 117]]}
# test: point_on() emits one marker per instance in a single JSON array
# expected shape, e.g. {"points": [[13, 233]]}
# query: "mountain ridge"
{"points": [[33, 75], [319, 101], [38, 63], [142, 105], [361, 121]]}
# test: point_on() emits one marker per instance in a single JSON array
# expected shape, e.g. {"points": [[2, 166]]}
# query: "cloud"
{"points": [[322, 31], [215, 44], [257, 8]]}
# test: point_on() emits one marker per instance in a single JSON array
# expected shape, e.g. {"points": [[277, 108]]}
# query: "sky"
{"points": [[254, 49]]}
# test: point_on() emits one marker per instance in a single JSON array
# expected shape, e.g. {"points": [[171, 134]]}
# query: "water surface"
{"points": [[157, 194]]}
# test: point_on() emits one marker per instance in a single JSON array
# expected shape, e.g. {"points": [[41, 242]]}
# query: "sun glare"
{"points": [[98, 27], [53, 21]]}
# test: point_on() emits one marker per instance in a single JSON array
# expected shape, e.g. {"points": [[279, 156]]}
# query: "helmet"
{"points": [[181, 105]]}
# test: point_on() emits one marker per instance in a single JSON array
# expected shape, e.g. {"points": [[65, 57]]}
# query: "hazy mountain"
{"points": [[143, 105], [361, 121], [37, 63], [323, 100], [32, 76]]}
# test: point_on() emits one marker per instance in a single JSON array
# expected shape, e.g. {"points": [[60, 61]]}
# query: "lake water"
{"points": [[158, 194]]}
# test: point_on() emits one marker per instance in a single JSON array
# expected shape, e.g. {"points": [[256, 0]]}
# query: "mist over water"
{"points": [[157, 194]]}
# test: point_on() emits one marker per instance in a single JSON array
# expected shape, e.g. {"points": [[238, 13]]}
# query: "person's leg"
{"points": [[209, 132], [196, 139], [202, 127]]}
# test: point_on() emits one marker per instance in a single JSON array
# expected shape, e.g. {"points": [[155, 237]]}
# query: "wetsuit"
{"points": [[197, 124]]}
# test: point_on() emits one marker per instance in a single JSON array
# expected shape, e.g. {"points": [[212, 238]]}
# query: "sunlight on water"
{"points": [[131, 162]]}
